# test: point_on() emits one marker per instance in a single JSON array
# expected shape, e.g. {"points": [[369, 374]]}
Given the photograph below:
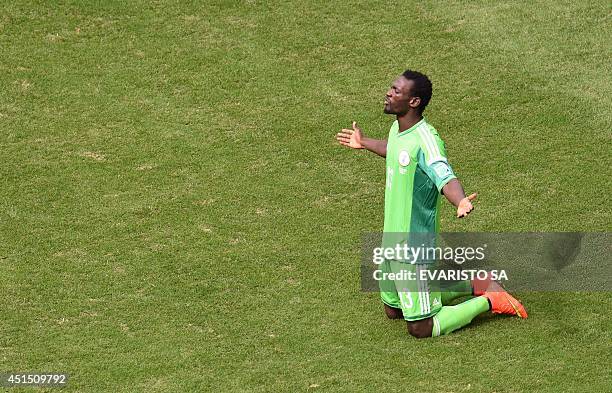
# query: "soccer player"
{"points": [[417, 173]]}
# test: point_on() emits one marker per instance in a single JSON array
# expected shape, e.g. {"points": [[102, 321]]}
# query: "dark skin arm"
{"points": [[453, 191], [355, 139]]}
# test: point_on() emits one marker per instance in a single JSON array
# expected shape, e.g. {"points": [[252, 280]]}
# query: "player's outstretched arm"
{"points": [[355, 139], [453, 191]]}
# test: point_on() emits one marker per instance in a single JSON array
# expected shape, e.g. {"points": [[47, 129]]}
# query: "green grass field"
{"points": [[175, 214]]}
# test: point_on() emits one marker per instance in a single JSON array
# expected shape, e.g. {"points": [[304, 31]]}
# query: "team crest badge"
{"points": [[404, 158]]}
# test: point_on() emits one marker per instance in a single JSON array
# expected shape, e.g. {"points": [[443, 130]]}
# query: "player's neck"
{"points": [[408, 120]]}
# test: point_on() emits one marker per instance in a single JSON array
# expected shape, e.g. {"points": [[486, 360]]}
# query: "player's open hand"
{"points": [[350, 138], [465, 206]]}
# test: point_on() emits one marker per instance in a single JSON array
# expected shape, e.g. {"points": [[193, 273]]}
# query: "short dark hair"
{"points": [[422, 87]]}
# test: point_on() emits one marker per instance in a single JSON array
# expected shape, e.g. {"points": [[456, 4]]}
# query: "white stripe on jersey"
{"points": [[428, 147], [433, 142], [433, 149], [420, 292], [428, 140], [420, 297], [420, 289], [426, 292], [426, 289], [423, 292]]}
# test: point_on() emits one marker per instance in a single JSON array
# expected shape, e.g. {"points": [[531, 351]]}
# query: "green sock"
{"points": [[459, 289], [451, 318]]}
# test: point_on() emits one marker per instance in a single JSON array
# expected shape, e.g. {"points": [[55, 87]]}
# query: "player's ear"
{"points": [[414, 102]]}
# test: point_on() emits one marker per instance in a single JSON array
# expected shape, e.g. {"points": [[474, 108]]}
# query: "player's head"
{"points": [[410, 92]]}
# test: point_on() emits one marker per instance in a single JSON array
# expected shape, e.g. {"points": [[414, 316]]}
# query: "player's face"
{"points": [[398, 97]]}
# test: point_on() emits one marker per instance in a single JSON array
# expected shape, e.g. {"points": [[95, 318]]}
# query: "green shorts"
{"points": [[418, 299]]}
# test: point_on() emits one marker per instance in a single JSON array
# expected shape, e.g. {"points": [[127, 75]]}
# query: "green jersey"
{"points": [[417, 169]]}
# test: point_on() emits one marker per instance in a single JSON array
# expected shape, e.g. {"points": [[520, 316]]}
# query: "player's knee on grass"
{"points": [[393, 313], [420, 329]]}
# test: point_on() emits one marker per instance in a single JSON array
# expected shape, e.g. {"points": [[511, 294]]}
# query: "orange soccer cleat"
{"points": [[502, 302]]}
